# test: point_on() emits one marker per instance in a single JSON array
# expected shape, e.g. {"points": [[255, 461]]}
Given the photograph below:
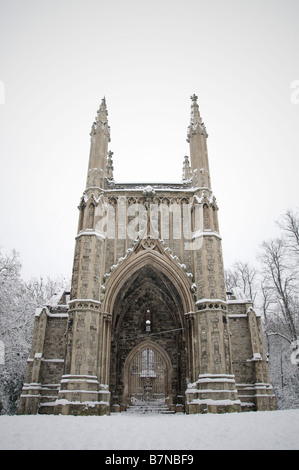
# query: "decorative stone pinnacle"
{"points": [[102, 109], [194, 98], [109, 166], [149, 191]]}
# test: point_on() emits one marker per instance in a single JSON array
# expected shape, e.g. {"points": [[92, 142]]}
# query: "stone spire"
{"points": [[197, 138], [100, 137], [187, 172], [195, 119]]}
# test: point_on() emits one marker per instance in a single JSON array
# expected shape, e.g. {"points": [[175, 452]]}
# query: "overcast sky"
{"points": [[58, 58]]}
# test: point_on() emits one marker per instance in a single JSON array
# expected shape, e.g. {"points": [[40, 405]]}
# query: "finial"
{"points": [[109, 166], [194, 98], [187, 172], [102, 106]]}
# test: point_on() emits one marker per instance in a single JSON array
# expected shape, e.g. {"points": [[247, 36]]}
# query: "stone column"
{"points": [[214, 389], [263, 397], [30, 397], [84, 386]]}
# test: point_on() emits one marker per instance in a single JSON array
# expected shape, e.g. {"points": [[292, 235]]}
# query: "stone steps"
{"points": [[149, 407]]}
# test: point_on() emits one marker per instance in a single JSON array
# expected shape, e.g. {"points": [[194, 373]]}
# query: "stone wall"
{"points": [[250, 364], [46, 361]]}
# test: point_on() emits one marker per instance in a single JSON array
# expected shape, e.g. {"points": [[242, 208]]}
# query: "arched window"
{"points": [[81, 217], [215, 219], [91, 210], [147, 361], [206, 217]]}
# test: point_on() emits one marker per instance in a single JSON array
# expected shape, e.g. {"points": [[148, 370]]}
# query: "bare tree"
{"points": [[41, 290], [289, 224], [231, 279], [244, 276], [266, 301], [282, 280]]}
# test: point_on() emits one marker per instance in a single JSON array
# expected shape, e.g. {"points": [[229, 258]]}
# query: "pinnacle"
{"points": [[102, 111], [100, 123], [195, 115], [103, 103]]}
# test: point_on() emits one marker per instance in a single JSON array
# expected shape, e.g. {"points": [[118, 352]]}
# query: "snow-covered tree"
{"points": [[279, 260], [18, 301], [16, 320], [281, 277], [242, 275]]}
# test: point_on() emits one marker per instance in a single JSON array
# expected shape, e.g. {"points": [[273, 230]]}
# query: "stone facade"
{"points": [[148, 317]]}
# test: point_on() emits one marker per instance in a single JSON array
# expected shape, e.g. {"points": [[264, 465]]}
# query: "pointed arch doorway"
{"points": [[148, 287], [148, 373]]}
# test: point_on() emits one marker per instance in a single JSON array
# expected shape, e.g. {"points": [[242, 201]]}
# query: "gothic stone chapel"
{"points": [[148, 322]]}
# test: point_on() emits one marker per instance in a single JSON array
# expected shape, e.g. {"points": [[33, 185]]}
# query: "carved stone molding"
{"points": [[213, 304], [148, 243], [85, 304]]}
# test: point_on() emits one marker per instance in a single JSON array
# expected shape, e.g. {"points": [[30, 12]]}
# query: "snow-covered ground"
{"points": [[260, 430]]}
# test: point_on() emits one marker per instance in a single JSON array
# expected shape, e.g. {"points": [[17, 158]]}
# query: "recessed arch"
{"points": [[145, 371], [147, 287], [160, 262]]}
